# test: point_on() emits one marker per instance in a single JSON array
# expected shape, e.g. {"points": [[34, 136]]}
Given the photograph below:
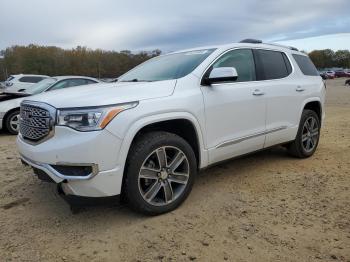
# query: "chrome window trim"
{"points": [[253, 81]]}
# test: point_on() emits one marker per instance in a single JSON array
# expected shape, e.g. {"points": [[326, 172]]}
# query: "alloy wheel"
{"points": [[310, 134], [163, 176], [14, 122]]}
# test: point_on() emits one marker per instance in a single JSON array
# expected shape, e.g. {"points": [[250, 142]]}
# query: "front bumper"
{"points": [[68, 147]]}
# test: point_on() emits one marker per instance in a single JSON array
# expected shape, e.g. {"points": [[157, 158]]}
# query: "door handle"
{"points": [[258, 92], [300, 89]]}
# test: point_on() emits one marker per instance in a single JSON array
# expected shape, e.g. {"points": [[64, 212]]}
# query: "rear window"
{"points": [[305, 65], [31, 79], [272, 64]]}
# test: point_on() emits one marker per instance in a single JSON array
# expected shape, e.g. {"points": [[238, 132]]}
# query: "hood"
{"points": [[106, 94], [7, 105]]}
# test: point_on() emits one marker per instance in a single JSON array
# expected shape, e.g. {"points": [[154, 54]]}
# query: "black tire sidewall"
{"points": [[8, 125], [140, 151]]}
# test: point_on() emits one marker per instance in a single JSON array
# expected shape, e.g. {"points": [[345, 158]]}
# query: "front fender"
{"points": [[136, 126]]}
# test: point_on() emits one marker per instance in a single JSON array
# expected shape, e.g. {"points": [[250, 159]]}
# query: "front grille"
{"points": [[35, 122]]}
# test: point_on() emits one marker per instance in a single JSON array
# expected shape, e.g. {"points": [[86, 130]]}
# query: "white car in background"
{"points": [[10, 100], [17, 82]]}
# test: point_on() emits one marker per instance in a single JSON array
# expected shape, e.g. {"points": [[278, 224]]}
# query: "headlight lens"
{"points": [[91, 119]]}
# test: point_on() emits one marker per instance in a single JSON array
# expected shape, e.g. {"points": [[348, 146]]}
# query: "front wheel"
{"points": [[161, 169], [308, 135], [12, 122]]}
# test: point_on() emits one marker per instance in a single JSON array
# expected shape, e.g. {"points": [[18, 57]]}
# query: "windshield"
{"points": [[172, 66], [40, 86]]}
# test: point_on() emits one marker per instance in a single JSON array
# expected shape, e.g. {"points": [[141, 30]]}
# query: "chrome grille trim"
{"points": [[36, 121]]}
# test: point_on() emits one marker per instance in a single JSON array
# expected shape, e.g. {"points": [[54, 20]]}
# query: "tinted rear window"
{"points": [[31, 79], [305, 65], [272, 64]]}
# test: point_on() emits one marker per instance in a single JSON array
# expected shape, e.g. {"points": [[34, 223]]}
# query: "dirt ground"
{"points": [[263, 207]]}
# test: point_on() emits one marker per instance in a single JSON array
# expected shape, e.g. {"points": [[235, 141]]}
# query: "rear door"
{"points": [[284, 96]]}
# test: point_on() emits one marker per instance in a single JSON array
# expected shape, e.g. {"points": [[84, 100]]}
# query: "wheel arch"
{"points": [[166, 122], [315, 105]]}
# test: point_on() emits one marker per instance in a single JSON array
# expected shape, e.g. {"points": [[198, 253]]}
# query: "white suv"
{"points": [[16, 83], [146, 136]]}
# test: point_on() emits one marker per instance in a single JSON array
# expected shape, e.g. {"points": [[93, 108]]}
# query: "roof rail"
{"points": [[285, 46], [256, 41], [251, 41]]}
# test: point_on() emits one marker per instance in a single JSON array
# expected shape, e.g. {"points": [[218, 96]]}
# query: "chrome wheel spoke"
{"points": [[312, 124], [304, 137], [178, 178], [179, 158], [149, 173], [314, 133], [312, 143], [152, 191], [161, 155], [307, 125], [308, 144], [168, 191]]}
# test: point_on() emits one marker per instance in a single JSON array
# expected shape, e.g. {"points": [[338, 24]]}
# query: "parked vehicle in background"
{"points": [[340, 73], [10, 100], [147, 135], [324, 75], [330, 74], [18, 82]]}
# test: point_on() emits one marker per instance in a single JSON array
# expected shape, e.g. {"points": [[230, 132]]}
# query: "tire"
{"points": [[153, 185], [12, 122], [306, 141]]}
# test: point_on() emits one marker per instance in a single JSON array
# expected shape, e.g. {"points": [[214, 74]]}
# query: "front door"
{"points": [[235, 111]]}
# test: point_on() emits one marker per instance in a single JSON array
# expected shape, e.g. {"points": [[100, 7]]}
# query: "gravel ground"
{"points": [[263, 207]]}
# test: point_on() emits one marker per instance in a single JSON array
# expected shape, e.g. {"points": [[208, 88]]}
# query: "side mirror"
{"points": [[222, 74]]}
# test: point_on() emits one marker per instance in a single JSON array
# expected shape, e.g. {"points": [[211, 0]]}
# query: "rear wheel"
{"points": [[12, 122], [308, 136], [161, 169]]}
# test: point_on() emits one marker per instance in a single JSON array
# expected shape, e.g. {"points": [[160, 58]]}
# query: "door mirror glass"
{"points": [[222, 74]]}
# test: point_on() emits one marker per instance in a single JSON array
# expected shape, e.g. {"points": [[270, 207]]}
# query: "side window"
{"points": [[305, 65], [242, 60], [272, 64], [88, 82], [77, 82], [60, 85]]}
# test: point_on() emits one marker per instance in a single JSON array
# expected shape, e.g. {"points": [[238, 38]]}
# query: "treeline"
{"points": [[50, 60], [327, 58]]}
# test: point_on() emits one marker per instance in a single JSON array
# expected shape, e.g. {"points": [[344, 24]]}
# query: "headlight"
{"points": [[90, 119]]}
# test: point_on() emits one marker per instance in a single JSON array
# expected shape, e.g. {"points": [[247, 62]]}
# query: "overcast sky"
{"points": [[173, 24]]}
